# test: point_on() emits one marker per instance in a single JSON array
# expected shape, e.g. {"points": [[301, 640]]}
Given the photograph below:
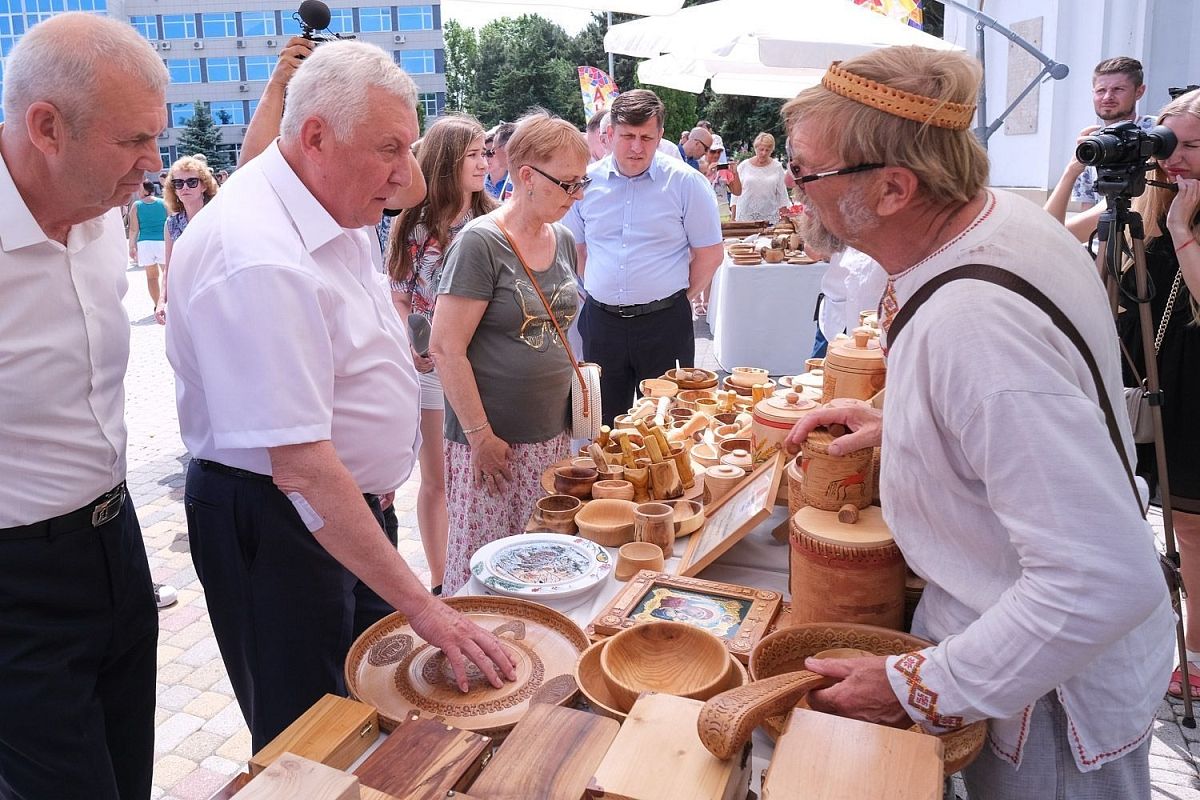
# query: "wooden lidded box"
{"points": [[334, 732], [423, 759]]}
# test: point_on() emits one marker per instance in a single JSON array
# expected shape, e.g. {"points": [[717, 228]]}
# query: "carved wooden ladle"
{"points": [[728, 719]]}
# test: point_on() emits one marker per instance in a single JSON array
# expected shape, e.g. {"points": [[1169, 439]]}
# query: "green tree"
{"points": [[525, 62], [739, 118], [201, 135], [462, 65]]}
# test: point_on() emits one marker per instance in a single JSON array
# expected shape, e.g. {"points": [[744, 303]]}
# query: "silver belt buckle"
{"points": [[106, 511]]}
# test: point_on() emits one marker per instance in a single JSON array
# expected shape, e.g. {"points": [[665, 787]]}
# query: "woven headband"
{"points": [[897, 102]]}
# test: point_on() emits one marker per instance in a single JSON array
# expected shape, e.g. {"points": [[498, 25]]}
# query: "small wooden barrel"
{"points": [[854, 369], [795, 487], [842, 572], [831, 482]]}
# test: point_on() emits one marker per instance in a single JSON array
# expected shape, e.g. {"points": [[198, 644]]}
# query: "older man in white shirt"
{"points": [[78, 627], [298, 398]]}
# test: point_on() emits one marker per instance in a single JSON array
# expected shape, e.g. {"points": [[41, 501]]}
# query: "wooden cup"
{"points": [[636, 556], [655, 523], [640, 478]]}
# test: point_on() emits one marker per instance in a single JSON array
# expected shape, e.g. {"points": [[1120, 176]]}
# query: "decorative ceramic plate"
{"points": [[393, 669], [552, 566]]}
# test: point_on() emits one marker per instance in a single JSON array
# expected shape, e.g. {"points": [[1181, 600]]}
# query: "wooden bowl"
{"points": [[612, 489], [559, 508], [692, 378], [706, 455], [747, 377], [687, 397], [688, 516], [584, 462], [681, 414], [723, 432], [727, 446], [660, 656], [658, 387], [607, 522], [786, 649], [773, 255], [591, 682], [575, 481], [636, 556]]}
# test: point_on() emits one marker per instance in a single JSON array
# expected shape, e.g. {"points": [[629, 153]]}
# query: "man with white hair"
{"points": [[298, 398], [84, 102]]}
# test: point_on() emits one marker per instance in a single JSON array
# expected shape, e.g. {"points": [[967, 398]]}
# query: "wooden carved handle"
{"points": [[727, 720]]}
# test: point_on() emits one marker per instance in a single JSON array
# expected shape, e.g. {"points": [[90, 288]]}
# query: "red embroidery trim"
{"points": [[920, 696], [1013, 757], [1083, 759]]}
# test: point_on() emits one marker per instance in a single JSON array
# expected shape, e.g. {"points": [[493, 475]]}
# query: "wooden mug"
{"points": [[655, 523]]}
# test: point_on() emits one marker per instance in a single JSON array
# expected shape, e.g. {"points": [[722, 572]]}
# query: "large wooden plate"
{"points": [[693, 493], [393, 669]]}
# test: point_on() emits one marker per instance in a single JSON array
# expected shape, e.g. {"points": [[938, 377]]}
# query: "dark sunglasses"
{"points": [[190, 183], [816, 176], [569, 188]]}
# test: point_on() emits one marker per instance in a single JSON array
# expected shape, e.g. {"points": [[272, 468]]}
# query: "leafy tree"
{"points": [[201, 135], [462, 60], [589, 50], [523, 62], [739, 118]]}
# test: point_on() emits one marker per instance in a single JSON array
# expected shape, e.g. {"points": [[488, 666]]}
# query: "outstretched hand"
{"points": [[865, 425], [862, 690], [463, 641]]}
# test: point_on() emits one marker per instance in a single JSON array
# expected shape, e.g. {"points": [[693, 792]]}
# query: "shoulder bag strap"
{"points": [[1015, 283], [583, 387]]}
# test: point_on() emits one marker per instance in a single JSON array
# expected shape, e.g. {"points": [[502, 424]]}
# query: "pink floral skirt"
{"points": [[477, 516]]}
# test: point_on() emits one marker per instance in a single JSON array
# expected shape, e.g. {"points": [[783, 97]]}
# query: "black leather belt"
{"points": [[101, 510], [236, 472], [626, 312]]}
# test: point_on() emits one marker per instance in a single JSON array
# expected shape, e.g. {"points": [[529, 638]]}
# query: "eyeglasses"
{"points": [[489, 153], [190, 183], [816, 176], [569, 188]]}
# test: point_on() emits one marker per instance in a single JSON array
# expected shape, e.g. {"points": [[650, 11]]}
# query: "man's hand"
{"points": [[865, 424], [290, 58], [160, 312], [423, 363], [462, 640], [862, 691]]}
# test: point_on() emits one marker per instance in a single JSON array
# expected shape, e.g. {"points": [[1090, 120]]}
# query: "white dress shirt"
{"points": [[853, 283], [282, 332], [64, 348], [1003, 490]]}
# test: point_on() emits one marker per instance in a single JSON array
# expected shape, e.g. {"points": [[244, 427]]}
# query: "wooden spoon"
{"points": [[727, 720]]}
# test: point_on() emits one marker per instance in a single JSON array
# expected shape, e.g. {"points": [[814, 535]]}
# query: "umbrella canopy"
{"points": [[641, 7], [728, 75]]}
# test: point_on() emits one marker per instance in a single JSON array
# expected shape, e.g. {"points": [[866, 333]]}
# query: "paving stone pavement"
{"points": [[201, 738]]}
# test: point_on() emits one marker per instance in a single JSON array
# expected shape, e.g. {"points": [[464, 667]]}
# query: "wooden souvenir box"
{"points": [[334, 732]]}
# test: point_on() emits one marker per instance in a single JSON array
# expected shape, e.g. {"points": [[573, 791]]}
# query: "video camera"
{"points": [[1120, 154], [313, 16]]}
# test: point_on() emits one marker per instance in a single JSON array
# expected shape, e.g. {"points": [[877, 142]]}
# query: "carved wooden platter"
{"points": [[393, 669]]}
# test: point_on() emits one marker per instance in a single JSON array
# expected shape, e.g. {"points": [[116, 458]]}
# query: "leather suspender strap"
{"points": [[1017, 284], [583, 387]]}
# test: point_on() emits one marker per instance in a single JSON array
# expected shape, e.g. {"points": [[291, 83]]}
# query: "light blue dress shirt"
{"points": [[639, 231]]}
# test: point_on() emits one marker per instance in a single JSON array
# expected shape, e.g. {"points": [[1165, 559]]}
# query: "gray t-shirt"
{"points": [[520, 366]]}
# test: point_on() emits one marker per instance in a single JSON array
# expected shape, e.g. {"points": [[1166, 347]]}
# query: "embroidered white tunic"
{"points": [[1004, 491]]}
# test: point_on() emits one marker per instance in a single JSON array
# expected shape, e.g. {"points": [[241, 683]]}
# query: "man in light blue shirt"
{"points": [[649, 241]]}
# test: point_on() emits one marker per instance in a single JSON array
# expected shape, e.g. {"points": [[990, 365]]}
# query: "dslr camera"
{"points": [[1120, 154]]}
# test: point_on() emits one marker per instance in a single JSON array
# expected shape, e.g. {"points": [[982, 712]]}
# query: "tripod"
{"points": [[1116, 219]]}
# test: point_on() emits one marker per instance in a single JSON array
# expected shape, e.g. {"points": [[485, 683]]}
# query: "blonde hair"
{"points": [[767, 138], [188, 164], [952, 166], [540, 137], [1154, 204]]}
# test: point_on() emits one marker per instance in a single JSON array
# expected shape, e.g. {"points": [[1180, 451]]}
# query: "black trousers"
{"points": [[284, 610], [78, 644], [632, 349]]}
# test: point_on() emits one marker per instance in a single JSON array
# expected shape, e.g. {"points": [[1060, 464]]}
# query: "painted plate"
{"points": [[551, 566], [393, 669]]}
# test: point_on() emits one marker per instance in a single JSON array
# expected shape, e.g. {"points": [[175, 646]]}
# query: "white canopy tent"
{"points": [[642, 7], [727, 76]]}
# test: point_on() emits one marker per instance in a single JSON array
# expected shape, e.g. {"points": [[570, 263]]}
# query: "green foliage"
{"points": [[680, 108], [201, 135], [462, 58], [521, 63], [739, 118]]}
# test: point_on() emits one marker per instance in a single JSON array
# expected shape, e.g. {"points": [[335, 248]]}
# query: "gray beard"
{"points": [[856, 218]]}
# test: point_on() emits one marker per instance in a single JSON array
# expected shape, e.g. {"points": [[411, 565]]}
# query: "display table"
{"points": [[763, 316]]}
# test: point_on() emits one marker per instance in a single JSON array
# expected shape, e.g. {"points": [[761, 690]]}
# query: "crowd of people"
{"points": [[306, 395]]}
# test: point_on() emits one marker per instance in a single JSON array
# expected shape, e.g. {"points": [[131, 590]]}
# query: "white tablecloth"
{"points": [[763, 316]]}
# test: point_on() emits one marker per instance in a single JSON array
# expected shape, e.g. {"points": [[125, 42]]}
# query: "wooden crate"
{"points": [[334, 732]]}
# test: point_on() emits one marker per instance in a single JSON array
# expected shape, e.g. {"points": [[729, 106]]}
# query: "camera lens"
{"points": [[1161, 141], [1099, 148]]}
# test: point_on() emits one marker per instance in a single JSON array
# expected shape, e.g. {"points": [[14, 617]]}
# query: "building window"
{"points": [[375, 19], [165, 154], [182, 113], [76, 5], [223, 70], [259, 68], [232, 151], [219, 26], [184, 70], [291, 25], [416, 62], [428, 101], [341, 20], [415, 18], [179, 26], [146, 26], [228, 112], [258, 23]]}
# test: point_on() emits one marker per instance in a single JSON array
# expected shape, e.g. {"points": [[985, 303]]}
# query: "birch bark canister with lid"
{"points": [[845, 571], [775, 416], [854, 368], [830, 481]]}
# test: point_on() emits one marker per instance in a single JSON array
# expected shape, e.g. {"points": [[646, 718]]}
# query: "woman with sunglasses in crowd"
{"points": [[189, 186], [454, 167], [506, 372]]}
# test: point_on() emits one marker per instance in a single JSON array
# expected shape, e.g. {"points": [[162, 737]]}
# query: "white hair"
{"points": [[333, 84], [58, 60]]}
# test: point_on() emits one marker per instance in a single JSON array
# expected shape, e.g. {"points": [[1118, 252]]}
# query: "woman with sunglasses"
{"points": [[506, 372], [189, 186], [453, 164]]}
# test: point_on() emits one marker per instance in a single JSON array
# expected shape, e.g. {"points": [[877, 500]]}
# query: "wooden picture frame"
{"points": [[738, 615], [733, 516]]}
